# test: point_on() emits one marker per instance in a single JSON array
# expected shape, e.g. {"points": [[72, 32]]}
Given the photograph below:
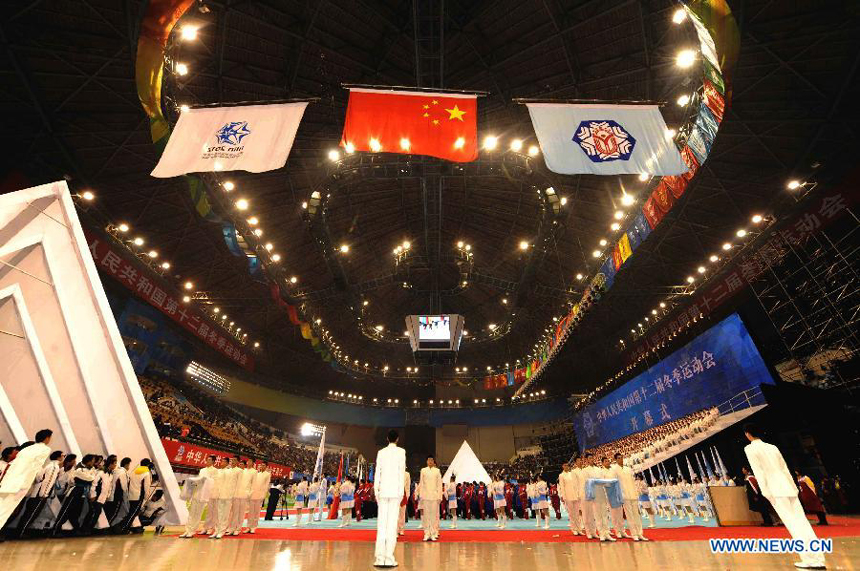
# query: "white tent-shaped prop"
{"points": [[466, 467]]}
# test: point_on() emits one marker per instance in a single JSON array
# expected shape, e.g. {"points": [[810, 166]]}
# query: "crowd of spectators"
{"points": [[184, 412], [639, 447]]}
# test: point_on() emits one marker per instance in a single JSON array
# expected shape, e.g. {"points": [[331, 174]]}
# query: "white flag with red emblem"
{"points": [[605, 139]]}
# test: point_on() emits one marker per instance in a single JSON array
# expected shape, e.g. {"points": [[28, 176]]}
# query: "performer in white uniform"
{"points": [[314, 495], [301, 492], [210, 525], [347, 500], [570, 493], [601, 501], [222, 497], [388, 488], [198, 489], [430, 494], [401, 525], [497, 489], [645, 500], [542, 499], [241, 499], [21, 472], [451, 494], [630, 507], [589, 471], [259, 489], [778, 486]]}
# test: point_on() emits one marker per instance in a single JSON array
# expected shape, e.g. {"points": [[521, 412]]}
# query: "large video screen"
{"points": [[709, 371], [434, 327]]}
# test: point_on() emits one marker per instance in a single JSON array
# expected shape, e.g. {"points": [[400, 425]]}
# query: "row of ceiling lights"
{"points": [[440, 402]]}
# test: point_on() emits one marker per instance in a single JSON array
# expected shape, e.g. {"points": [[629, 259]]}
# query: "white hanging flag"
{"points": [[318, 465], [253, 138], [605, 139]]}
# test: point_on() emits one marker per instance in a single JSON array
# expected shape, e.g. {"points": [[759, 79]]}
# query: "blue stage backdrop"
{"points": [[707, 372]]}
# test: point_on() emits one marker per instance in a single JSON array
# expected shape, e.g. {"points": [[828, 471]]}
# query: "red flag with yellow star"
{"points": [[442, 125]]}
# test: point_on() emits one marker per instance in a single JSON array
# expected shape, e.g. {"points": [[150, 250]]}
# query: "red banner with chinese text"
{"points": [[194, 456]]}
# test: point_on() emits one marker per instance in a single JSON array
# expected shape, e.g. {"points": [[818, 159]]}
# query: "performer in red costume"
{"points": [[509, 500], [524, 498], [555, 500], [467, 499], [482, 500], [360, 496]]}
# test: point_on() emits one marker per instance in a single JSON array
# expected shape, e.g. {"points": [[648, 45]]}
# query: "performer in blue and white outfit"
{"points": [[451, 494], [497, 488], [347, 500], [542, 498], [685, 491], [645, 503], [700, 493], [314, 493], [301, 494]]}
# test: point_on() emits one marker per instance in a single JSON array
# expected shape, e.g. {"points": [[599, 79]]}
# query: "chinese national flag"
{"points": [[412, 123]]}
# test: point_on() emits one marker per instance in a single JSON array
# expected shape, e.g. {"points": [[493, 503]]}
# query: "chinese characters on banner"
{"points": [[110, 262], [718, 291], [194, 456]]}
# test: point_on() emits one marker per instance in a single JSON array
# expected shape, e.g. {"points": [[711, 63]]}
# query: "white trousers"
{"points": [[430, 517], [630, 508], [237, 515], [211, 515], [254, 507], [223, 511], [601, 511], [386, 530], [195, 512], [401, 520], [588, 516], [791, 513], [8, 503], [573, 515]]}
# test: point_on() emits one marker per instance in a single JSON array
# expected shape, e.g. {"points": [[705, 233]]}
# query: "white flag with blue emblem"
{"points": [[253, 138], [605, 139]]}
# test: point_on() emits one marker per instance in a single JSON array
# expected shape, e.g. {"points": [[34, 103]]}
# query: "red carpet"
{"points": [[839, 527]]}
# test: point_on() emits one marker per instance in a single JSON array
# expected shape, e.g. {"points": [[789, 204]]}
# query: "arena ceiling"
{"points": [[71, 109]]}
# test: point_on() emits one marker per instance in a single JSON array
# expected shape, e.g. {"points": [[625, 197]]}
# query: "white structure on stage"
{"points": [[64, 365], [466, 467]]}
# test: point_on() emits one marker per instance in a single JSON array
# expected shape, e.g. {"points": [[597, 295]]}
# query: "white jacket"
{"points": [[22, 471], [430, 484], [261, 485], [626, 480], [388, 479], [246, 483], [768, 466], [569, 489]]}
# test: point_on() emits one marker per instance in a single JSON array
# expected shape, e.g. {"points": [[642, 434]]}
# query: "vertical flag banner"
{"points": [[253, 138], [605, 139], [442, 125], [318, 465]]}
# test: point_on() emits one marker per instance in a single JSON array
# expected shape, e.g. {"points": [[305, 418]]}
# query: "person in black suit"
{"points": [[758, 503]]}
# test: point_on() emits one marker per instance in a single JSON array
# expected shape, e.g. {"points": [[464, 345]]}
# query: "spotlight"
{"points": [[406, 244], [186, 298], [405, 144], [184, 108], [756, 219], [727, 246], [643, 176], [679, 16], [516, 145], [123, 227], [794, 184], [701, 269], [276, 257], [379, 328], [334, 155], [690, 279], [293, 279], [253, 221], [615, 226], [685, 58], [492, 326], [459, 143], [365, 303], [375, 145], [579, 277], [242, 204], [524, 245], [653, 312], [563, 200], [258, 232], [349, 148], [603, 242], [662, 305], [228, 186], [189, 32], [88, 195], [344, 248], [618, 215], [490, 142], [683, 100], [714, 258], [181, 69], [671, 133], [256, 344], [189, 285], [165, 265], [627, 199], [533, 150], [268, 246], [741, 233], [596, 253], [138, 241]]}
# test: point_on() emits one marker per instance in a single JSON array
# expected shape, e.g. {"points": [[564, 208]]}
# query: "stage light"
{"points": [[643, 176], [460, 244], [406, 244], [543, 392], [524, 245], [465, 369], [276, 257], [181, 69], [344, 248], [492, 326], [727, 246], [408, 369], [468, 247], [122, 227], [375, 145], [415, 401], [379, 328], [741, 233], [516, 145], [683, 100], [603, 242], [671, 133], [563, 200], [293, 279], [186, 298], [627, 199], [533, 150], [406, 334], [476, 401], [253, 221], [334, 155], [88, 195], [662, 305], [490, 142], [189, 32], [189, 285], [459, 143], [596, 253], [385, 368], [242, 204], [405, 144], [679, 15], [183, 108], [305, 205], [794, 184], [685, 58], [138, 241], [690, 279], [365, 303], [618, 215], [701, 269], [579, 277], [756, 219], [615, 226], [653, 312], [349, 148], [256, 344], [268, 246], [224, 316], [258, 232], [228, 186], [165, 265], [714, 258]]}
